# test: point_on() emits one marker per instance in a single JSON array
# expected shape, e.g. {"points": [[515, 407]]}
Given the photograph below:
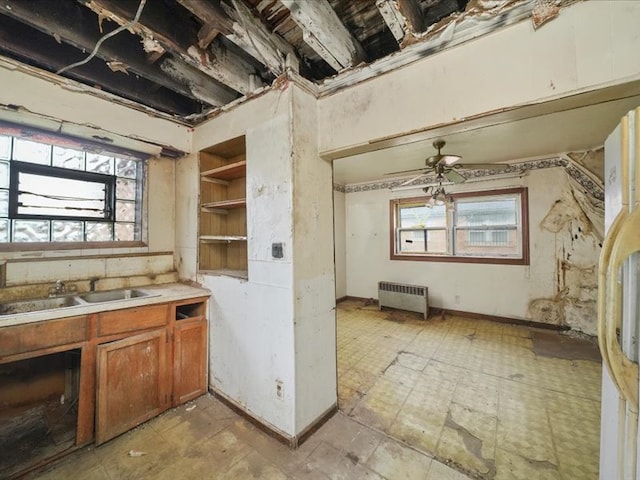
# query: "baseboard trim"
{"points": [[496, 318], [291, 441], [342, 299], [481, 316], [304, 435]]}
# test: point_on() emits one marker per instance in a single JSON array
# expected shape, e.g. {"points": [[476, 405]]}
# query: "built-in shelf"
{"points": [[225, 204], [222, 238], [227, 172], [222, 245]]}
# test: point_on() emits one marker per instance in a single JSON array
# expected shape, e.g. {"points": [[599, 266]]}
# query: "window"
{"points": [[51, 193], [482, 227]]}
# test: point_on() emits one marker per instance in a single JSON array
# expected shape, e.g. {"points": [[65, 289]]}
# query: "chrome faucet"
{"points": [[59, 289]]}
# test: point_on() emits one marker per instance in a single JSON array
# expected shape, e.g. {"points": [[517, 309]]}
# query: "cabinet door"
{"points": [[190, 360], [132, 383]]}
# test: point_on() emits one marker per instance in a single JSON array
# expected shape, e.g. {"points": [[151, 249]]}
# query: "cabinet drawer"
{"points": [[132, 319], [35, 336]]}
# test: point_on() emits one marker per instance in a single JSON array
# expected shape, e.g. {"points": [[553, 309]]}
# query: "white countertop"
{"points": [[169, 292]]}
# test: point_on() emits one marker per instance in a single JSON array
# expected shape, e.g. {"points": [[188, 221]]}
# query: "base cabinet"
{"points": [[189, 360], [132, 383]]}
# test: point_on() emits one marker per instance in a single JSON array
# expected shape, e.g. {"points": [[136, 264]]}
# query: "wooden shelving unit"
{"points": [[223, 214]]}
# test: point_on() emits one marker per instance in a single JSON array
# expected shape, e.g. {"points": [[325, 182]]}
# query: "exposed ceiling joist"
{"points": [[411, 11], [203, 86], [223, 66], [324, 32], [239, 25], [19, 40], [393, 18]]}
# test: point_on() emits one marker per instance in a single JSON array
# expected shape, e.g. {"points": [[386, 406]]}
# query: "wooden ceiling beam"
{"points": [[42, 51], [393, 18], [403, 17], [324, 32], [223, 66], [238, 24], [77, 26]]}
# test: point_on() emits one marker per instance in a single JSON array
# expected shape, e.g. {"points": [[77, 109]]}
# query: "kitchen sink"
{"points": [[111, 296], [24, 306]]}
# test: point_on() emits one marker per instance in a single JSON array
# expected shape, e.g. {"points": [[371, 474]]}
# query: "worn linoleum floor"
{"points": [[418, 400], [496, 401]]}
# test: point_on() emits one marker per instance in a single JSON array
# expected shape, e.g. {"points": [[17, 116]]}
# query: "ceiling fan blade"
{"points": [[408, 171], [449, 160], [411, 180], [454, 176], [481, 166]]}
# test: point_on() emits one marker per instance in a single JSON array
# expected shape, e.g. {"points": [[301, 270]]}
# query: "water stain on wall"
{"points": [[577, 221]]}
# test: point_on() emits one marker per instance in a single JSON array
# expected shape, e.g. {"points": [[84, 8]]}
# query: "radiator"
{"points": [[413, 298]]}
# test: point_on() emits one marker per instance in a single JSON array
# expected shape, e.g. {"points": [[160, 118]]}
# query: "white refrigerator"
{"points": [[618, 305]]}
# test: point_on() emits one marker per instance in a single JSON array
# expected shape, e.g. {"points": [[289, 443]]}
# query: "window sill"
{"points": [[450, 259], [52, 246]]}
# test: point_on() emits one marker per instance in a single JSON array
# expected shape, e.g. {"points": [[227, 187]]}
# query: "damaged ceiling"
{"points": [[188, 58]]}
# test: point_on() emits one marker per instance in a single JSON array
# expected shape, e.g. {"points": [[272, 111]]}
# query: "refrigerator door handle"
{"points": [[605, 259], [624, 370]]}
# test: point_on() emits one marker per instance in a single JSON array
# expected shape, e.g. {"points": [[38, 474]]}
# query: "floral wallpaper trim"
{"points": [[591, 186]]}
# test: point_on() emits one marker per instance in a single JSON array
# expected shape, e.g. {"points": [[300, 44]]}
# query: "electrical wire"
{"points": [[105, 37]]}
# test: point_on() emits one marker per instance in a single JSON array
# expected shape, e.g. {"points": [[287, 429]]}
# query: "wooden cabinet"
{"points": [[189, 360], [134, 362], [223, 216], [189, 352], [132, 383]]}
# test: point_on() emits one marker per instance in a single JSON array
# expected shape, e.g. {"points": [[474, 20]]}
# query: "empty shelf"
{"points": [[225, 204], [222, 238], [227, 172]]}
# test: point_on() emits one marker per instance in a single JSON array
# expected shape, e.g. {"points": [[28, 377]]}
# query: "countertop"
{"points": [[169, 292]]}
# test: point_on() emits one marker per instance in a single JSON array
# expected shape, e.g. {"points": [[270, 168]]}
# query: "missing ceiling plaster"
{"points": [[543, 11]]}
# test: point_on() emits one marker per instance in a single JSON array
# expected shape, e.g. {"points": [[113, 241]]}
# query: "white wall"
{"points": [[340, 243], [314, 278], [589, 45], [277, 327], [500, 290]]}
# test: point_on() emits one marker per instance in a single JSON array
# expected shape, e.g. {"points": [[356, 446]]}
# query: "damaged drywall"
{"points": [[576, 219]]}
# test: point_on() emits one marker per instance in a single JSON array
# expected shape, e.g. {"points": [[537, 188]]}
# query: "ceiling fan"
{"points": [[444, 166]]}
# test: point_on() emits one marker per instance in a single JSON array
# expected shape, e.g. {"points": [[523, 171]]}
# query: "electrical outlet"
{"points": [[279, 389]]}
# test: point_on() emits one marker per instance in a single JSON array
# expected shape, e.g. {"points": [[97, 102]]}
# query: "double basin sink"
{"points": [[50, 303]]}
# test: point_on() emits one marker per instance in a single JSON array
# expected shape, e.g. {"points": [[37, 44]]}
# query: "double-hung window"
{"points": [[478, 227], [52, 193]]}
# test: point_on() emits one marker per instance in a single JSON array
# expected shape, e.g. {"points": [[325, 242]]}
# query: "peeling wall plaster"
{"points": [[577, 222]]}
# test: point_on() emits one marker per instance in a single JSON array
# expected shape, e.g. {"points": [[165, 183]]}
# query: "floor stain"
{"points": [[551, 344]]}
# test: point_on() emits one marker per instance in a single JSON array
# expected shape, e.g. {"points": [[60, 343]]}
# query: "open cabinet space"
{"points": [[223, 214]]}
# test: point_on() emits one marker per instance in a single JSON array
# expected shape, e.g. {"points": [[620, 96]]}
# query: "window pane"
{"points": [[125, 211], [99, 163], [5, 147], [4, 203], [125, 232], [99, 232], [45, 195], [125, 189], [4, 174], [33, 152], [496, 211], [423, 216], [413, 241], [488, 243], [31, 230], [66, 231], [4, 230], [67, 158], [126, 168]]}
